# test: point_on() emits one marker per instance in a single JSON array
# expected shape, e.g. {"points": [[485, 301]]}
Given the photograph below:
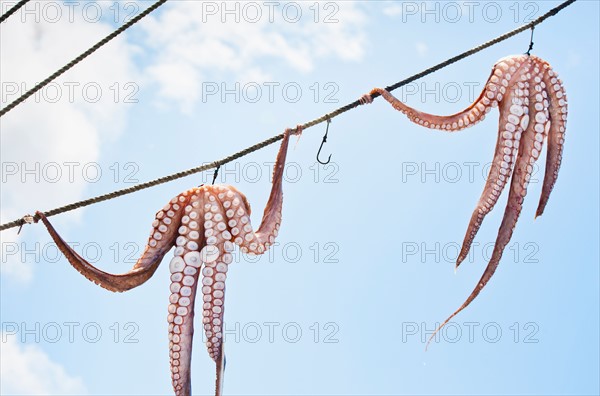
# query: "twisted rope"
{"points": [[267, 142], [81, 57], [12, 10]]}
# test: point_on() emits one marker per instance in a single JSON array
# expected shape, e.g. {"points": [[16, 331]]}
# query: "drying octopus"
{"points": [[203, 224], [533, 108]]}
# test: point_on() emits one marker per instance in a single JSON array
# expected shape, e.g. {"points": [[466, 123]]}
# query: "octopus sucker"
{"points": [[532, 109], [202, 224]]}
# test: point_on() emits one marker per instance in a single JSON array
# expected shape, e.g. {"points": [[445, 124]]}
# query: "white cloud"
{"points": [[41, 136], [27, 370], [177, 81], [392, 10], [192, 44]]}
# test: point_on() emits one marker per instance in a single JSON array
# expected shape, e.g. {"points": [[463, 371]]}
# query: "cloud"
{"points": [[392, 10], [58, 132], [193, 42], [27, 370]]}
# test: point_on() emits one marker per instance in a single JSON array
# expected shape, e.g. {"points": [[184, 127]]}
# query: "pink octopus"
{"points": [[203, 224], [533, 108]]}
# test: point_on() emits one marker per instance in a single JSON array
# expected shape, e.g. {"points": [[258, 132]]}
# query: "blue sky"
{"points": [[364, 269]]}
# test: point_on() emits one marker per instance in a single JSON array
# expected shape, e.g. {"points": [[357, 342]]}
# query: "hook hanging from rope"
{"points": [[530, 42], [322, 143], [216, 174]]}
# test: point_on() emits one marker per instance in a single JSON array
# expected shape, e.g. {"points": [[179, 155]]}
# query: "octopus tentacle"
{"points": [[492, 94], [513, 119], [558, 109], [271, 220], [528, 152], [238, 213], [185, 270], [216, 257], [220, 369], [161, 239]]}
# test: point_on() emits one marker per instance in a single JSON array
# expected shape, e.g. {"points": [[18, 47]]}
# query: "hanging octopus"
{"points": [[203, 224], [533, 108]]}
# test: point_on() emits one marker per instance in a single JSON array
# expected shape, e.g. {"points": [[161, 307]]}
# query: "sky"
{"points": [[364, 266]]}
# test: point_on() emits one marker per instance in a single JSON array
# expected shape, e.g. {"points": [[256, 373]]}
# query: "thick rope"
{"points": [[265, 143], [14, 9], [81, 57]]}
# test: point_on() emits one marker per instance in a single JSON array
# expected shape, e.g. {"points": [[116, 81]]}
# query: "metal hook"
{"points": [[216, 174], [322, 143], [530, 42]]}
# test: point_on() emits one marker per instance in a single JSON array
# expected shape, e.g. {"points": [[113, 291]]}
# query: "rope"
{"points": [[267, 142], [14, 9], [81, 57]]}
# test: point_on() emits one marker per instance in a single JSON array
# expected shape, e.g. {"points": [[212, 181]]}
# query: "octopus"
{"points": [[533, 108], [203, 224]]}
